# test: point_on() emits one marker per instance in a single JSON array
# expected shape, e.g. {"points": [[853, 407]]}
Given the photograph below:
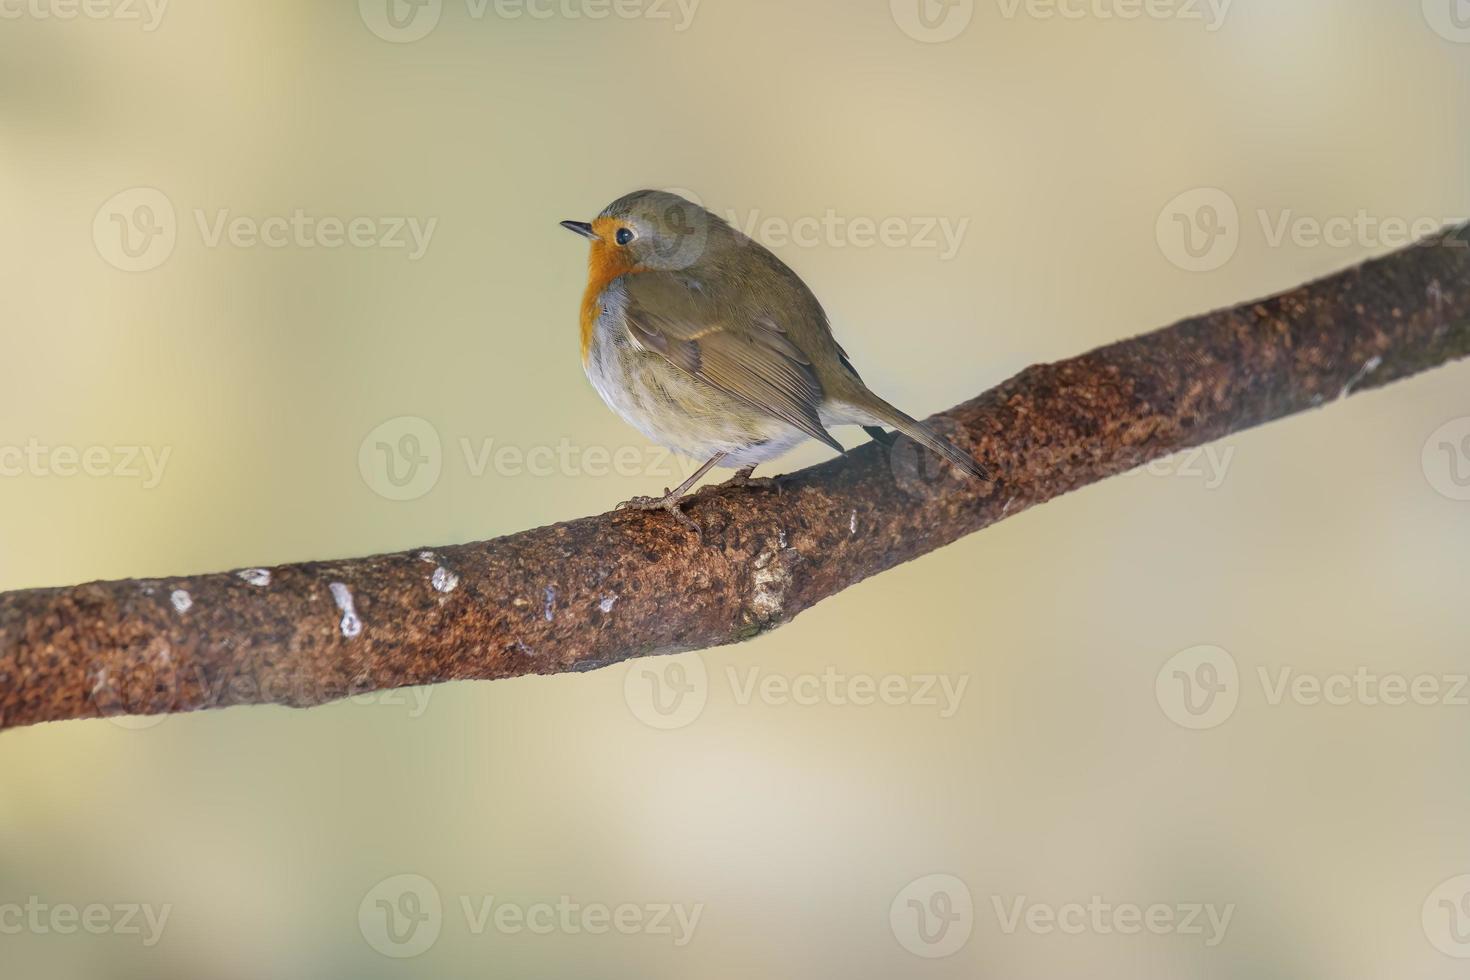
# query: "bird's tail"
{"points": [[877, 410]]}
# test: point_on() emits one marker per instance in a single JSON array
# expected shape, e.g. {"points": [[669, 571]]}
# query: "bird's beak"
{"points": [[582, 228]]}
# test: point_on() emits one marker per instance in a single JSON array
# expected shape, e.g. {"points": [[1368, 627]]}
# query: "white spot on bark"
{"points": [[429, 557], [781, 536], [181, 599], [1007, 506], [444, 580], [258, 577], [549, 608], [101, 680], [770, 579], [1367, 369], [607, 603], [342, 596], [852, 524]]}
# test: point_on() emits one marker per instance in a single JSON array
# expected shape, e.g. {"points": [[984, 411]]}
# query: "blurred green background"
{"points": [[1116, 726]]}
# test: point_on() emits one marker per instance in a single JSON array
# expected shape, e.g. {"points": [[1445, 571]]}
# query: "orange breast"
{"points": [[605, 263]]}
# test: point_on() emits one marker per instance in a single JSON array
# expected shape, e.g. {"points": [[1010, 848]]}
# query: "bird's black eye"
{"points": [[624, 236]]}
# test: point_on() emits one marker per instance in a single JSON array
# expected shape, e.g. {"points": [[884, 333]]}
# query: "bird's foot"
{"points": [[671, 502], [743, 478]]}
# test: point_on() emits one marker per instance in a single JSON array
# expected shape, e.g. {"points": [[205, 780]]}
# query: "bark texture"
{"points": [[596, 591]]}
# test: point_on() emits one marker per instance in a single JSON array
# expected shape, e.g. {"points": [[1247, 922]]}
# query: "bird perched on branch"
{"points": [[708, 344]]}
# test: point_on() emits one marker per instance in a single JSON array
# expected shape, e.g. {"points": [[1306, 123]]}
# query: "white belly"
{"points": [[672, 408]]}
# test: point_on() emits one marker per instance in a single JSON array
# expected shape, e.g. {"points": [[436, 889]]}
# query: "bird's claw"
{"points": [[668, 502]]}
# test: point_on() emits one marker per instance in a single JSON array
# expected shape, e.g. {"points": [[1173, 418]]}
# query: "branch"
{"points": [[596, 591]]}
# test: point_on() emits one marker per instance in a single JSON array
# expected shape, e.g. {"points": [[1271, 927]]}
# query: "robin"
{"points": [[708, 344]]}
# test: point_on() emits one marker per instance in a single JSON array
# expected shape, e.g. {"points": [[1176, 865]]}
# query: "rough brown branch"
{"points": [[596, 591]]}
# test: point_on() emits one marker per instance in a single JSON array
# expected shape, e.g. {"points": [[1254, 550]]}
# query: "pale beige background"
{"points": [[1324, 547]]}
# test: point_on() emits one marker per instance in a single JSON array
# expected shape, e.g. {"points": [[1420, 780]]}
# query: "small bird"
{"points": [[708, 344]]}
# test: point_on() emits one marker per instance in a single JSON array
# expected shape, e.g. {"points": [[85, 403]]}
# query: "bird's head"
{"points": [[649, 230]]}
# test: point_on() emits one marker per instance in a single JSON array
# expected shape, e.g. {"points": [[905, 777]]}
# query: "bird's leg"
{"points": [[672, 500], [882, 438]]}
